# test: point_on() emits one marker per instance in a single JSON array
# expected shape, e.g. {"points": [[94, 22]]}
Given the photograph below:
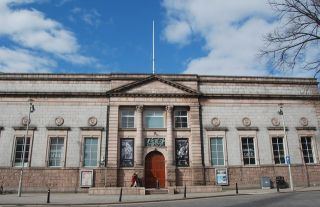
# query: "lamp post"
{"points": [[31, 109], [287, 157]]}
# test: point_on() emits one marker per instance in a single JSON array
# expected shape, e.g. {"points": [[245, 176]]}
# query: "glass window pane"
{"points": [[306, 144], [248, 152], [19, 148], [217, 153], [90, 152], [180, 119], [56, 151]]}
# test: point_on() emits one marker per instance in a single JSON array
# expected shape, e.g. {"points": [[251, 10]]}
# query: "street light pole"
{"points": [[31, 109], [287, 157]]}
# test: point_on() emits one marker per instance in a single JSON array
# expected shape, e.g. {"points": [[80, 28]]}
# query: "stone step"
{"points": [[153, 191]]}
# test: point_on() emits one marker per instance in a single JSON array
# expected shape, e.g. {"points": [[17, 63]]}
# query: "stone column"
{"points": [[169, 138], [139, 140], [170, 144]]}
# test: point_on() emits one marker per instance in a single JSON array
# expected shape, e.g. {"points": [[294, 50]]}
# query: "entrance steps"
{"points": [[153, 191]]}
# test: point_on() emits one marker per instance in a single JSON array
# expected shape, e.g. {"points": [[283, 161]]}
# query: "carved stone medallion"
{"points": [[275, 121], [304, 121], [59, 121], [246, 121], [92, 121], [215, 122], [24, 121]]}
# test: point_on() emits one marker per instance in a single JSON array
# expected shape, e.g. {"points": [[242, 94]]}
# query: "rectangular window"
{"points": [[90, 152], [56, 151], [278, 150], [248, 151], [127, 152], [182, 152], [153, 119], [181, 119], [217, 154], [127, 118], [307, 149], [20, 143]]}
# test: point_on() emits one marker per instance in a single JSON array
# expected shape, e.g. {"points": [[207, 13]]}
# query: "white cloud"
{"points": [[32, 30], [232, 31], [19, 60], [90, 17], [178, 32]]}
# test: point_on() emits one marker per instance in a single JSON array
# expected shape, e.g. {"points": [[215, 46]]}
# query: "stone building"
{"points": [[98, 129]]}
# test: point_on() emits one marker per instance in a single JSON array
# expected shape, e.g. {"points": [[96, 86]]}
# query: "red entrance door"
{"points": [[154, 170]]}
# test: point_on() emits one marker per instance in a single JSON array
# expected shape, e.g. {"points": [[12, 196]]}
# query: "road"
{"points": [[294, 199]]}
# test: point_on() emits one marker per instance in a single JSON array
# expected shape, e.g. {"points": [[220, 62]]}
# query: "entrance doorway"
{"points": [[154, 170]]}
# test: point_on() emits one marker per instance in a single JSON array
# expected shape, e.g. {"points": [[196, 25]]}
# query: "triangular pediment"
{"points": [[153, 86]]}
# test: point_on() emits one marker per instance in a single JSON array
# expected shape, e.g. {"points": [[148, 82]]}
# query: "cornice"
{"points": [[261, 96], [53, 94]]}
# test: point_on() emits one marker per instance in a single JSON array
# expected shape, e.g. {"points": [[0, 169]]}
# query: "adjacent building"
{"points": [[99, 129]]}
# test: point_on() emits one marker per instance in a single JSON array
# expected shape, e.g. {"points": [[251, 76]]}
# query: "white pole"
{"points": [[287, 158], [152, 47], [24, 149]]}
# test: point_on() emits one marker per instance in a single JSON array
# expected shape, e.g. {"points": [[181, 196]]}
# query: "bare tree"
{"points": [[295, 43]]}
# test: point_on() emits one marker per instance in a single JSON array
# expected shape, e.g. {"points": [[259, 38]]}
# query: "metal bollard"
{"points": [[278, 189], [237, 191], [185, 191], [120, 197], [48, 196], [1, 190], [157, 184]]}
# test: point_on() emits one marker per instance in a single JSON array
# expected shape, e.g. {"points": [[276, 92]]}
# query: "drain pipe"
{"points": [[201, 144]]}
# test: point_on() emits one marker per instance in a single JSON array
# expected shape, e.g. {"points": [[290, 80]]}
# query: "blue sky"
{"points": [[210, 37]]}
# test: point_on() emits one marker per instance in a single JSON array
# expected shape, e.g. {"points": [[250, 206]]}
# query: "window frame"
{"points": [[312, 149], [125, 125], [154, 110], [91, 133], [254, 147], [26, 164], [223, 150], [62, 159], [63, 156], [284, 149], [84, 137], [180, 116]]}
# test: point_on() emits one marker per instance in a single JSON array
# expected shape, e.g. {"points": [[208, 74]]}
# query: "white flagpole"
{"points": [[152, 47]]}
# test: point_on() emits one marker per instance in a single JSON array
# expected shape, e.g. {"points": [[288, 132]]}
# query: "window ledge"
{"points": [[31, 128], [307, 128], [277, 128], [58, 128], [216, 129], [127, 129], [92, 128], [155, 129], [247, 128], [181, 129], [250, 166]]}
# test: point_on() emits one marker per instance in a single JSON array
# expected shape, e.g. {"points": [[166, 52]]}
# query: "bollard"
{"points": [[48, 196], [1, 190], [185, 191], [157, 184], [278, 188], [120, 197], [237, 191]]}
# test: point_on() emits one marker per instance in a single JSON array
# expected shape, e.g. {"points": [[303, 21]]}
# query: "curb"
{"points": [[153, 201]]}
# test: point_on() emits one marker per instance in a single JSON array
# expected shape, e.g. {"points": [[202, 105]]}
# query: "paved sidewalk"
{"points": [[32, 199]]}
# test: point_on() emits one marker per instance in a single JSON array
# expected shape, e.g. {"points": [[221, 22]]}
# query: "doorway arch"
{"points": [[154, 170]]}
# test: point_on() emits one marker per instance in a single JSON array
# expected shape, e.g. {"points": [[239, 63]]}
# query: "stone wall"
{"points": [[250, 177]]}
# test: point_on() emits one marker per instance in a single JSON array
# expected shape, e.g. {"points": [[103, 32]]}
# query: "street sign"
{"points": [[288, 160]]}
